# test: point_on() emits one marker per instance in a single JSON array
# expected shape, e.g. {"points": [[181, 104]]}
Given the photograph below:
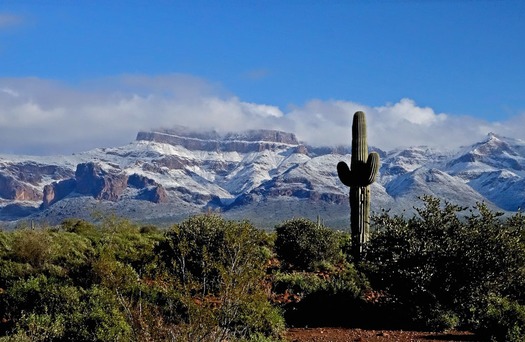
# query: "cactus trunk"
{"points": [[361, 173], [359, 218]]}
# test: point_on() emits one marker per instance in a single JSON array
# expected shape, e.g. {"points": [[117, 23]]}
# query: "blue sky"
{"points": [[303, 66]]}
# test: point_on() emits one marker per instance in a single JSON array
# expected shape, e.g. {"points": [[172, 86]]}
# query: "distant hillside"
{"points": [[263, 175]]}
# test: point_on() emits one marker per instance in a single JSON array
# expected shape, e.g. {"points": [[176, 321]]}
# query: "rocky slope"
{"points": [[262, 175]]}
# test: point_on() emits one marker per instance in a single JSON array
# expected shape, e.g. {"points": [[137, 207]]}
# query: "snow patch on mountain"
{"points": [[241, 173]]}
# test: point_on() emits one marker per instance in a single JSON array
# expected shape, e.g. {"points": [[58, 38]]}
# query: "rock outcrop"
{"points": [[13, 189], [34, 173], [155, 194], [56, 191], [22, 181], [244, 142], [91, 180]]}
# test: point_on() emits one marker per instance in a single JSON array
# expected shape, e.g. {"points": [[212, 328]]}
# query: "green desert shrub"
{"points": [[302, 244], [75, 283], [502, 320], [32, 246], [298, 283], [102, 318], [44, 311], [344, 280], [78, 226], [207, 248], [321, 298], [220, 268], [37, 327], [439, 266]]}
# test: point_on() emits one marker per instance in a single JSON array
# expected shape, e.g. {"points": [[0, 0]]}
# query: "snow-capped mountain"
{"points": [[495, 168], [262, 175]]}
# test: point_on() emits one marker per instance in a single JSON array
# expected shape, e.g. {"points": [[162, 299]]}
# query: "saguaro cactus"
{"points": [[361, 173]]}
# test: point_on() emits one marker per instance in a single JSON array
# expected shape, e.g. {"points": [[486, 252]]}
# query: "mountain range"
{"points": [[265, 176]]}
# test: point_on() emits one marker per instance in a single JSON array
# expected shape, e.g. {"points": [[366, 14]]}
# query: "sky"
{"points": [[77, 75]]}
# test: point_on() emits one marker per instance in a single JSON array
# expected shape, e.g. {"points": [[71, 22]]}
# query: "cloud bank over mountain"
{"points": [[40, 116]]}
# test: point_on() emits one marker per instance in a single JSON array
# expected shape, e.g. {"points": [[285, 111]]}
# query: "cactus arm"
{"points": [[344, 173], [362, 175], [372, 165]]}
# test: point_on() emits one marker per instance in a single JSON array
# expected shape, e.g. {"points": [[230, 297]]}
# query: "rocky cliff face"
{"points": [[22, 181], [14, 189], [91, 180], [245, 142]]}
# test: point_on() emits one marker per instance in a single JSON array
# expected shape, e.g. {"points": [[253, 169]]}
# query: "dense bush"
{"points": [[303, 245], [315, 276], [502, 320], [345, 279], [439, 267], [51, 287], [222, 264]]}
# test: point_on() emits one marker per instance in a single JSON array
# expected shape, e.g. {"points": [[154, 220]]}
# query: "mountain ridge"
{"points": [[262, 175]]}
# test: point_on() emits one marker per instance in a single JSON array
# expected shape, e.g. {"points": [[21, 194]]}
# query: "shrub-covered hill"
{"points": [[212, 279]]}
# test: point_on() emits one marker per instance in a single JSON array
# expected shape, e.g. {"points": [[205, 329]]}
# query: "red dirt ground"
{"points": [[360, 335]]}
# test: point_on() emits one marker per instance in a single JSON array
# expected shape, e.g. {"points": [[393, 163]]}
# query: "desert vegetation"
{"points": [[211, 279]]}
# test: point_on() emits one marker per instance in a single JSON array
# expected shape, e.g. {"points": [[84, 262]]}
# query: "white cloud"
{"points": [[9, 92], [262, 110], [41, 116], [48, 117], [406, 124], [406, 110]]}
